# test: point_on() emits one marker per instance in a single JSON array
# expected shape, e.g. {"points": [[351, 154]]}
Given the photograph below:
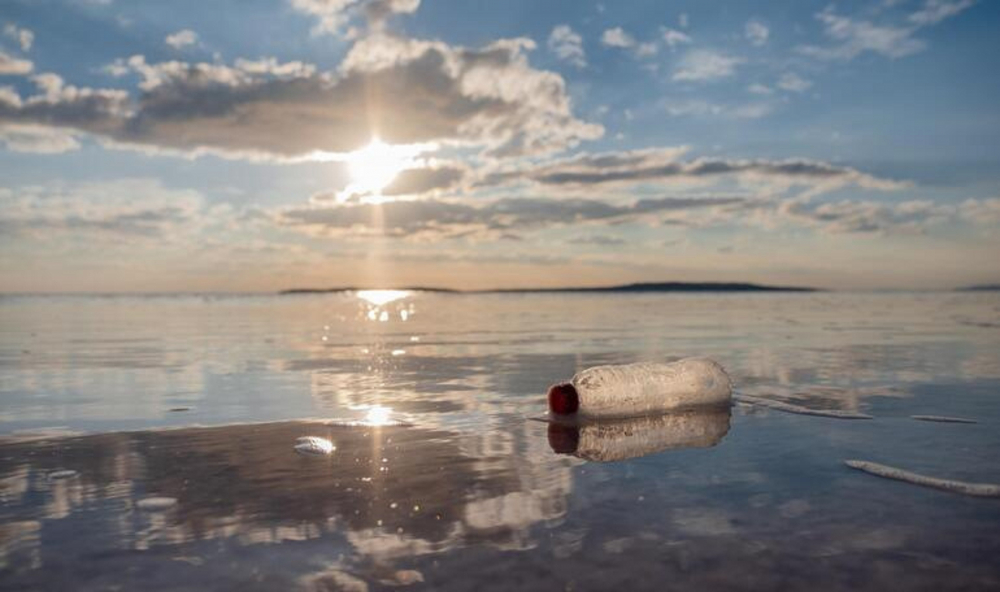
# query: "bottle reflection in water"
{"points": [[622, 439]]}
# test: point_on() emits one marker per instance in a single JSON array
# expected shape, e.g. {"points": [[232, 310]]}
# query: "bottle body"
{"points": [[650, 388]]}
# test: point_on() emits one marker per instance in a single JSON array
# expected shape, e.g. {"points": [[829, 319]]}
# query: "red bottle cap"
{"points": [[563, 399]]}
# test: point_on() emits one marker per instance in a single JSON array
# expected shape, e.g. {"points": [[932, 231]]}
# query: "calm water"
{"points": [[442, 478]]}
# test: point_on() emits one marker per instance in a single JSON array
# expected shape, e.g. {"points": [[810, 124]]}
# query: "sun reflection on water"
{"points": [[381, 297], [378, 415]]}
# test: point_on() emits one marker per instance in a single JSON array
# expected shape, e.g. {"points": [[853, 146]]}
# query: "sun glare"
{"points": [[373, 167], [378, 416], [380, 297]]}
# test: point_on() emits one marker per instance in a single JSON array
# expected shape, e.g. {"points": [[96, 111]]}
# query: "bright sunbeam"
{"points": [[380, 297], [373, 167]]}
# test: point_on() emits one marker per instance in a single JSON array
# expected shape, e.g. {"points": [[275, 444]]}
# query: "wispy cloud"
{"points": [[793, 82], [333, 16], [853, 37], [133, 209], [434, 219], [870, 217], [24, 37], [618, 37], [665, 165], [756, 32], [567, 45], [9, 65], [701, 108], [674, 38], [37, 139], [181, 39], [935, 11], [701, 65]]}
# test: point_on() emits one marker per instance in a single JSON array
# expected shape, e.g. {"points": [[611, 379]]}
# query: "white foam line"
{"points": [[942, 419], [976, 489], [789, 408]]}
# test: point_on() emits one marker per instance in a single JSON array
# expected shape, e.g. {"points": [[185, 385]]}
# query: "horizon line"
{"points": [[630, 288]]}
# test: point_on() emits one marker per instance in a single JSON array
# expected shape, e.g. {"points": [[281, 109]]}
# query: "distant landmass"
{"points": [[981, 288], [638, 287]]}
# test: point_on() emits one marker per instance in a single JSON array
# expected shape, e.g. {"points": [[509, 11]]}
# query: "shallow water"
{"points": [[441, 479]]}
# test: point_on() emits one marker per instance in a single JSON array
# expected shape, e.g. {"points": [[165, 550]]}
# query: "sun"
{"points": [[376, 165]]}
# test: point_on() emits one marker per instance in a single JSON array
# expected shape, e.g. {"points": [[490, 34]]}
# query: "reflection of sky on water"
{"points": [[467, 493], [113, 363], [387, 492]]}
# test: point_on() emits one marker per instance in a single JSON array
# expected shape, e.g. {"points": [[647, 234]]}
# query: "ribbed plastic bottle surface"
{"points": [[650, 388]]}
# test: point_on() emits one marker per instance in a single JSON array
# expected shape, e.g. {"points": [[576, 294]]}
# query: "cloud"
{"points": [[985, 211], [11, 66], [63, 107], [418, 181], [702, 65], [333, 16], [406, 91], [673, 37], [644, 50], [425, 180], [663, 165], [935, 11], [854, 37], [377, 11], [793, 82], [37, 139], [700, 108], [24, 37], [868, 216], [567, 45], [133, 209], [756, 32], [760, 89], [617, 37], [601, 240], [433, 219], [182, 39]]}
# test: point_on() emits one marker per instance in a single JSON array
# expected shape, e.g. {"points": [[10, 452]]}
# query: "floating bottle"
{"points": [[605, 440], [645, 388]]}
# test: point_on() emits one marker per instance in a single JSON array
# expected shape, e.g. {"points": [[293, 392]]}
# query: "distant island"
{"points": [[980, 288], [629, 288]]}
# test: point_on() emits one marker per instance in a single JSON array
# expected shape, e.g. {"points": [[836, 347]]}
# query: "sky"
{"points": [[258, 145]]}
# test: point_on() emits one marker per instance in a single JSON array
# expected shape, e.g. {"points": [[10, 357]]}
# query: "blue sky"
{"points": [[150, 146]]}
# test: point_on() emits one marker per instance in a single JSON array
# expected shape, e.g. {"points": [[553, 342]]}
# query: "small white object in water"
{"points": [[156, 504], [62, 474], [976, 489], [314, 446], [942, 419], [647, 388], [790, 408]]}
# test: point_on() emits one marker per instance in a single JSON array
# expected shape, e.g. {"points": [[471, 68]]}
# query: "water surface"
{"points": [[441, 479]]}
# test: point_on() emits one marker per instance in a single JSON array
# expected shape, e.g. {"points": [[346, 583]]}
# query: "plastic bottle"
{"points": [[645, 388]]}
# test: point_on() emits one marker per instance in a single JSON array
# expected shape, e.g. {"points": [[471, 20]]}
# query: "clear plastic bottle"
{"points": [[645, 388]]}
